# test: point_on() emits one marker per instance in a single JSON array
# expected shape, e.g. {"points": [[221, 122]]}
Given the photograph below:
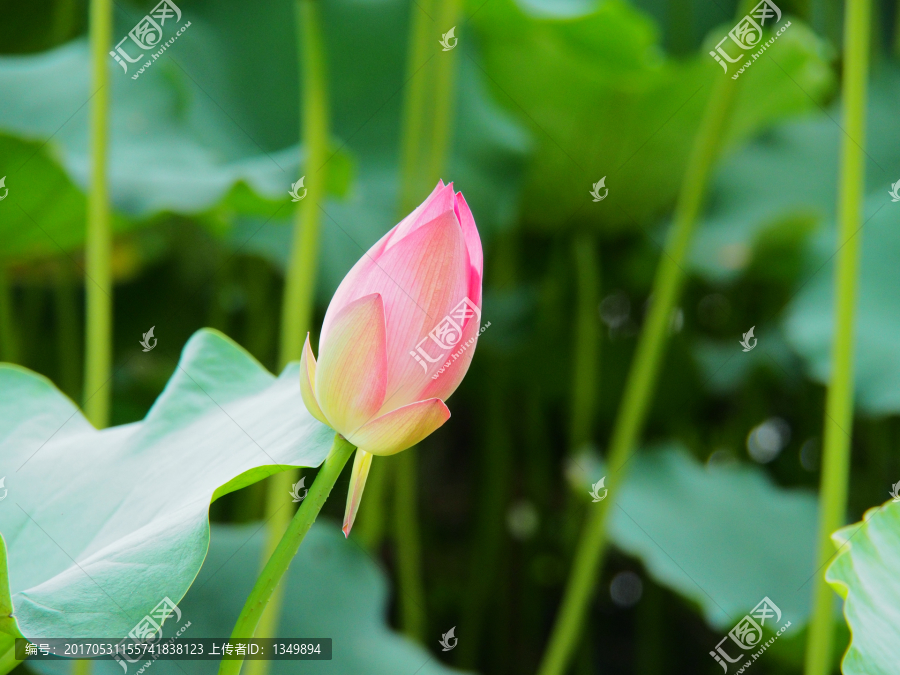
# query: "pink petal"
{"points": [[440, 200], [442, 383], [351, 375], [361, 465], [473, 240], [308, 383], [431, 270], [445, 377], [401, 428], [420, 280]]}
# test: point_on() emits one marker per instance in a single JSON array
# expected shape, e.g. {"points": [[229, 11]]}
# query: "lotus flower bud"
{"points": [[399, 335]]}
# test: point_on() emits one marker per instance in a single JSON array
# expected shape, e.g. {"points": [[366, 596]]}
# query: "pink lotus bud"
{"points": [[398, 335]]}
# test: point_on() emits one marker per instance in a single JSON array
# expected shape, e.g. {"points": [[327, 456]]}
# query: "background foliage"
{"points": [[548, 97]]}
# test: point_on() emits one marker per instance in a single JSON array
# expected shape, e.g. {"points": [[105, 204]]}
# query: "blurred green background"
{"points": [[546, 98]]}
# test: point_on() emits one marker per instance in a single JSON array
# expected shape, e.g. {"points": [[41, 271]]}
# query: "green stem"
{"points": [[409, 547], [497, 467], [300, 282], [82, 667], [370, 523], [839, 399], [63, 19], [299, 290], [443, 91], [651, 632], [67, 334], [98, 281], [897, 32], [9, 345], [641, 378], [287, 548], [587, 341], [413, 146], [422, 156], [261, 314]]}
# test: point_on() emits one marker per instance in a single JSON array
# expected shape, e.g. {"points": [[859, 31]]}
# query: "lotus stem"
{"points": [[98, 248], [587, 340], [496, 471], [67, 336], [370, 523], [413, 133], [9, 346], [423, 154], [444, 90], [839, 398], [409, 546], [641, 380], [287, 548], [300, 281]]}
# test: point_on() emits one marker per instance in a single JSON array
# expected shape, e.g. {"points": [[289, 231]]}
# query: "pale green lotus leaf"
{"points": [[603, 99], [866, 573], [760, 544], [809, 320], [99, 526], [333, 589]]}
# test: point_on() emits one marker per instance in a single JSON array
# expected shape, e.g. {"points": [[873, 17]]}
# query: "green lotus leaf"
{"points": [[723, 564], [332, 589], [809, 320], [865, 574], [99, 526], [788, 178], [171, 150], [602, 99], [210, 130]]}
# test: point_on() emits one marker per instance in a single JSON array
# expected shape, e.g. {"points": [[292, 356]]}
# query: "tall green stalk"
{"points": [[98, 249], [444, 91], [414, 129], [248, 620], [98, 245], [495, 476], [587, 340], [641, 378], [425, 137], [409, 548], [67, 336], [300, 281], [896, 45], [9, 345], [299, 290], [839, 400], [370, 523]]}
